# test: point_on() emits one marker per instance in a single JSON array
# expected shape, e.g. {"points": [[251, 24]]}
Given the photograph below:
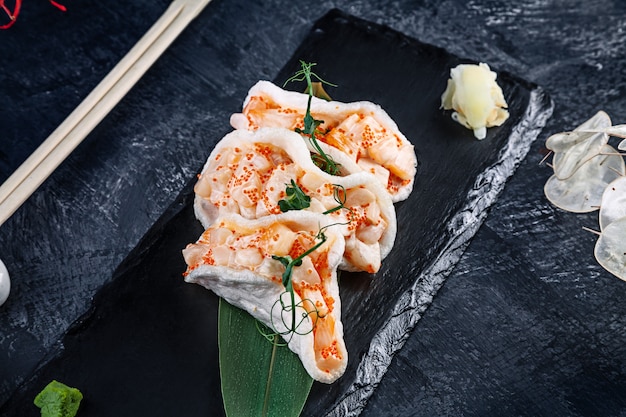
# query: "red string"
{"points": [[58, 6], [16, 11], [12, 14]]}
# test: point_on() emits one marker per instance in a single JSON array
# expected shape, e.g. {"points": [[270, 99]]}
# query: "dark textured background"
{"points": [[527, 324]]}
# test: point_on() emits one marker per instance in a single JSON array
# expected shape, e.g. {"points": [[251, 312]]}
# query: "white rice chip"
{"points": [[258, 289], [613, 204], [582, 192], [610, 249], [573, 149]]}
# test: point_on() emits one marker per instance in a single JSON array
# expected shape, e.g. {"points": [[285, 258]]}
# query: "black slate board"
{"points": [[148, 345]]}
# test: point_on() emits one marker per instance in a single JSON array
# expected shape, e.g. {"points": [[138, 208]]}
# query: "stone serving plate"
{"points": [[148, 345]]}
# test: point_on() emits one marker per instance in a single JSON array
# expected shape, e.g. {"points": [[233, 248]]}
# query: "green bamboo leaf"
{"points": [[258, 378]]}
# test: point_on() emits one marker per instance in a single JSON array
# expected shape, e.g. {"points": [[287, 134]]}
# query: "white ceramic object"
{"points": [[5, 283]]}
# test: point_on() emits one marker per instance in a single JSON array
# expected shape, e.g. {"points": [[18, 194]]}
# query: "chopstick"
{"points": [[69, 134]]}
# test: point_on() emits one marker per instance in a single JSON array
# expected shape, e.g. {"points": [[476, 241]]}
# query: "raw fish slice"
{"points": [[610, 249], [233, 258], [248, 172], [582, 192], [622, 145], [613, 204], [362, 131]]}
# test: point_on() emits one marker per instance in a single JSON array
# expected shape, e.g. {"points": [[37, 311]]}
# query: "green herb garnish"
{"points": [[295, 200], [58, 400], [289, 263], [322, 160], [340, 196]]}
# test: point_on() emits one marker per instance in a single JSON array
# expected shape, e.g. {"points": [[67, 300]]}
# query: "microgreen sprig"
{"points": [[296, 199], [289, 263], [340, 196], [305, 74], [311, 125]]}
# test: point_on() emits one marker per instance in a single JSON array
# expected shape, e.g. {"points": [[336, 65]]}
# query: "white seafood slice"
{"points": [[622, 145], [613, 203], [233, 258], [610, 249], [248, 172], [353, 132], [573, 149], [582, 192]]}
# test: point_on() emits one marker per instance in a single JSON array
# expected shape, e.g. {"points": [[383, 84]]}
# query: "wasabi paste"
{"points": [[58, 400]]}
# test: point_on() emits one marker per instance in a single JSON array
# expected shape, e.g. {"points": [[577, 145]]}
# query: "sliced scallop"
{"points": [[234, 259], [248, 171], [360, 132]]}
